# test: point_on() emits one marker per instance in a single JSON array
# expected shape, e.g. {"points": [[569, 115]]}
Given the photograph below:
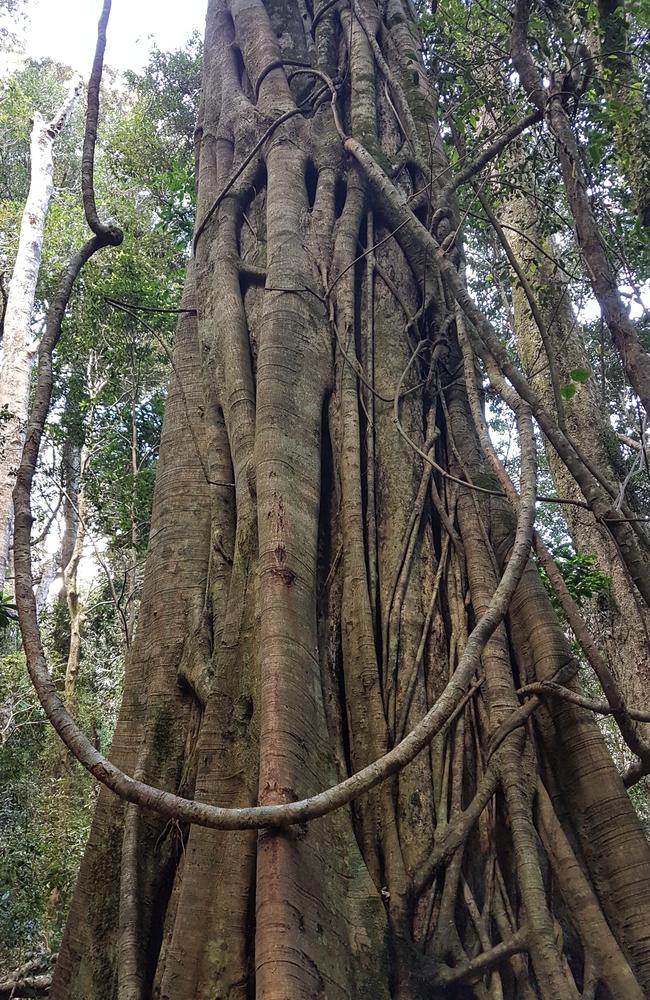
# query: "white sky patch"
{"points": [[637, 304], [89, 572], [66, 30]]}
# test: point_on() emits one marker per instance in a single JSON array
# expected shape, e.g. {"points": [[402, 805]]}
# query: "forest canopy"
{"points": [[324, 503]]}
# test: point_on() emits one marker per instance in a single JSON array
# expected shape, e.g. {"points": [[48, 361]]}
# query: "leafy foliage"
{"points": [[584, 581], [46, 805], [7, 612]]}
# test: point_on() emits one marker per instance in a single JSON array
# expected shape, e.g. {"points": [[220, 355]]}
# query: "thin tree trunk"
{"points": [[49, 572], [624, 90], [71, 481], [16, 360], [598, 44]]}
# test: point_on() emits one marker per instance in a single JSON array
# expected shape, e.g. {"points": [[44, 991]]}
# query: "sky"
{"points": [[65, 30]]}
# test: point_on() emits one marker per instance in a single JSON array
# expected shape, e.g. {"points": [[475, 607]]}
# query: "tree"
{"points": [[626, 100], [624, 620], [332, 564], [553, 350], [17, 341], [47, 802]]}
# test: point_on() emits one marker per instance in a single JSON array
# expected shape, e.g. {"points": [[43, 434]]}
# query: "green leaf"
{"points": [[580, 374], [568, 391], [7, 612]]}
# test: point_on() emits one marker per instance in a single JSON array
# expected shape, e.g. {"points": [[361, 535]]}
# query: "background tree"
{"points": [[17, 343]]}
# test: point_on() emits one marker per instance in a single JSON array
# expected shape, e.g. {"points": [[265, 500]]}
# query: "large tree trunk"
{"points": [[16, 360], [311, 584]]}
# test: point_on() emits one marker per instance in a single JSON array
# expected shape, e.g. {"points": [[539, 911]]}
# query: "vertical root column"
{"points": [[553, 983], [313, 892]]}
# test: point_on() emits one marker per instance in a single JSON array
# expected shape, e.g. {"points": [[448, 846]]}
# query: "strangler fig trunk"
{"points": [[319, 556]]}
